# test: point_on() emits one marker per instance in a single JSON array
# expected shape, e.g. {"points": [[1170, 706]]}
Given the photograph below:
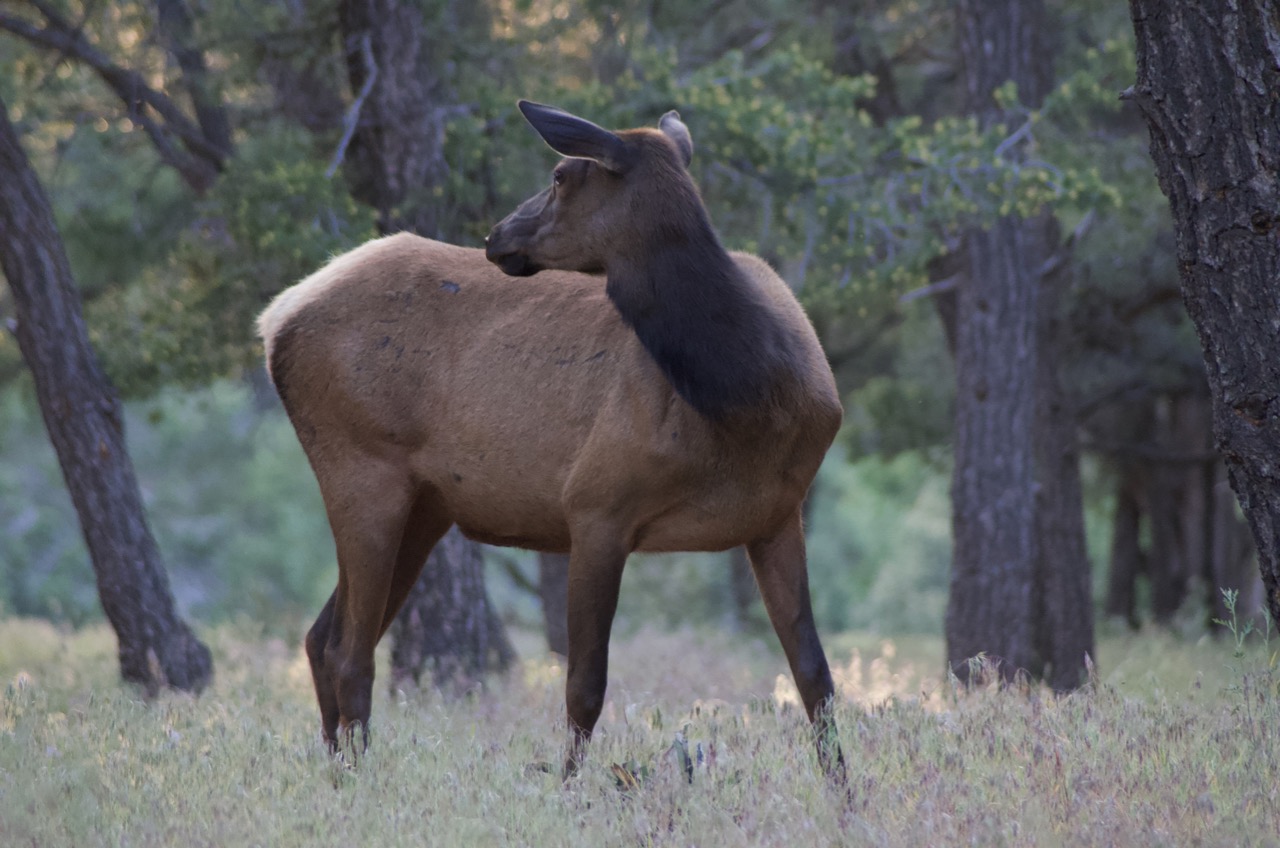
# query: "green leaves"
{"points": [[271, 219], [794, 168]]}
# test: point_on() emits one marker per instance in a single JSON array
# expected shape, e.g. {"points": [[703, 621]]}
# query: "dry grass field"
{"points": [[1175, 744]]}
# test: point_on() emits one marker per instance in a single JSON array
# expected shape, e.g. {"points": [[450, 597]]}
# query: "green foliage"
{"points": [[119, 211], [880, 544], [43, 564], [907, 406], [796, 170], [674, 590], [270, 220], [793, 166]]}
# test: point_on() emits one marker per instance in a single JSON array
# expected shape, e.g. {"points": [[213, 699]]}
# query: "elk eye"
{"points": [[557, 177]]}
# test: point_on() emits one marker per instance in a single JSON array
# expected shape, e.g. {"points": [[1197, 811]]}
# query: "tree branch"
{"points": [[199, 160], [940, 287], [352, 118], [1063, 254], [178, 28]]}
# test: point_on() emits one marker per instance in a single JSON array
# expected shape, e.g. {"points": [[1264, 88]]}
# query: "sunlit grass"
{"points": [[1175, 745]]}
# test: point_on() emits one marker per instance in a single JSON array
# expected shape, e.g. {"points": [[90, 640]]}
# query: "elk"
{"points": [[682, 403]]}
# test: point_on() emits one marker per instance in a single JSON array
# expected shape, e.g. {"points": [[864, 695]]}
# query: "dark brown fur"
{"points": [[683, 405]]}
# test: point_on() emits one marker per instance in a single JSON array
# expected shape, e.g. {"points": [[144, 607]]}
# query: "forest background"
{"points": [[833, 139]]}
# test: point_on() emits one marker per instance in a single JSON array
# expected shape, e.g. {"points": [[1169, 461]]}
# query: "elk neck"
{"points": [[705, 322]]}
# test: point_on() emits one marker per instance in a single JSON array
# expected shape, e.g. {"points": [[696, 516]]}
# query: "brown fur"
{"points": [[429, 389]]}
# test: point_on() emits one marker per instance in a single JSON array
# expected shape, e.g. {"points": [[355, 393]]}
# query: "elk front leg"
{"points": [[596, 560], [782, 575]]}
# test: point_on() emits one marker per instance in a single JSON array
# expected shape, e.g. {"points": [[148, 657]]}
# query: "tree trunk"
{"points": [[1230, 565], [553, 588], [993, 495], [1167, 564], [396, 154], [1208, 74], [1063, 613], [1127, 559], [83, 417], [743, 592], [447, 627], [1019, 581]]}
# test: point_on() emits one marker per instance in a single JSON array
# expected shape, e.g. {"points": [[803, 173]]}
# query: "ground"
{"points": [[1174, 744]]}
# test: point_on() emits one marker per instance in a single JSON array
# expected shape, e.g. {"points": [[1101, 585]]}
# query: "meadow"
{"points": [[1175, 743]]}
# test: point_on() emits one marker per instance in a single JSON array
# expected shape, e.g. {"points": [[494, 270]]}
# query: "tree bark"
{"points": [[1167, 565], [993, 493], [1062, 617], [743, 591], [1019, 581], [83, 417], [553, 588], [1230, 564], [1127, 559], [396, 154], [447, 627], [1207, 79]]}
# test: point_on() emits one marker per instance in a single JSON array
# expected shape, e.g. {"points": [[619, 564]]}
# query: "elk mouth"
{"points": [[513, 264]]}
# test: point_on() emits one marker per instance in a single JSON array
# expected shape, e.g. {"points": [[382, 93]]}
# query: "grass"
{"points": [[1175, 745]]}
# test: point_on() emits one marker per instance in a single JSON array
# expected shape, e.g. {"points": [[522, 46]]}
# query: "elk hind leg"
{"points": [[426, 525], [368, 502], [326, 694], [782, 575]]}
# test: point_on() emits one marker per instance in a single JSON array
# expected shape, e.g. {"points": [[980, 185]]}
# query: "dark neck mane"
{"points": [[706, 324]]}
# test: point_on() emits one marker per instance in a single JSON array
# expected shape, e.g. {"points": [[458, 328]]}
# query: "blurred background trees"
{"points": [[202, 156]]}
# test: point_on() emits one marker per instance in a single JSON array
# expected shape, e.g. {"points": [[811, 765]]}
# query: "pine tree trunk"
{"points": [[83, 417], [1020, 593], [1165, 566], [553, 589], [175, 24], [1208, 74], [743, 592], [447, 627], [993, 497], [1127, 560], [396, 154], [1231, 562], [993, 515], [1063, 593]]}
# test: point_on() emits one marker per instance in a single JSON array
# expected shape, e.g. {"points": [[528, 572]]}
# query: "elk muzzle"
{"points": [[507, 244]]}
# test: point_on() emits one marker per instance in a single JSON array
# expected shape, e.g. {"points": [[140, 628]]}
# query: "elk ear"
{"points": [[678, 133], [570, 135]]}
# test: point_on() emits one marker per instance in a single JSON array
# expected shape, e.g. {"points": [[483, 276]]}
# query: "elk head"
{"points": [[604, 196]]}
